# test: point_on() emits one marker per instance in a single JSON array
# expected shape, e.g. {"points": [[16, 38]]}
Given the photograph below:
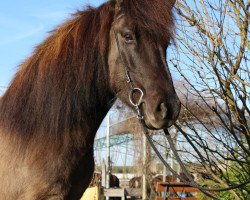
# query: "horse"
{"points": [[52, 109]]}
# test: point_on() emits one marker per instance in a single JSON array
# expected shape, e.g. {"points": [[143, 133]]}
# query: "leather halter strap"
{"points": [[133, 89]]}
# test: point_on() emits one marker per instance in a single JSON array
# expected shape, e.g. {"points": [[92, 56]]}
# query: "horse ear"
{"points": [[118, 6]]}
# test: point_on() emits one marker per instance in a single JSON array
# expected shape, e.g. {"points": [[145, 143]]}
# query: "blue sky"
{"points": [[24, 24]]}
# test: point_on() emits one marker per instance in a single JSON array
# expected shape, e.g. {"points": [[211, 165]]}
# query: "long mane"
{"points": [[66, 78]]}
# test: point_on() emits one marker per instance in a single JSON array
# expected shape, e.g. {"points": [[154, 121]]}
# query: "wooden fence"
{"points": [[171, 188]]}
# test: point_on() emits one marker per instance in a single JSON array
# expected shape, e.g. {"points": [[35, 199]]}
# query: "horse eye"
{"points": [[128, 37]]}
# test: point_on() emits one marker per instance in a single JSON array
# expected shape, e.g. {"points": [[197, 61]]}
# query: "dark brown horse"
{"points": [[52, 109]]}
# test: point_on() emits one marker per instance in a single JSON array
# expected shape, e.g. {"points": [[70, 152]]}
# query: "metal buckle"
{"points": [[131, 98]]}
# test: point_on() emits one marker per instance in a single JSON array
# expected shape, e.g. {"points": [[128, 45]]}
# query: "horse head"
{"points": [[139, 37]]}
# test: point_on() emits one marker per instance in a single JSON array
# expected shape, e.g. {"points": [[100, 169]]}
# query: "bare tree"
{"points": [[213, 59]]}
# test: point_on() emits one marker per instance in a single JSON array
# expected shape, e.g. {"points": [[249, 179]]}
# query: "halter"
{"points": [[133, 88], [136, 104]]}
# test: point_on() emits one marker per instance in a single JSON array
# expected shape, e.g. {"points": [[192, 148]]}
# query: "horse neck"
{"points": [[31, 107], [63, 87]]}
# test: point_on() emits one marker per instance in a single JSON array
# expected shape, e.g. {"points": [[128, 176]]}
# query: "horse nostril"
{"points": [[163, 110]]}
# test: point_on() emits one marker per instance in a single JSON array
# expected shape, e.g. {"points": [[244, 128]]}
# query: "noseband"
{"points": [[136, 104]]}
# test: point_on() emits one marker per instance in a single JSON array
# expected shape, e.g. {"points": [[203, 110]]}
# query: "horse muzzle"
{"points": [[160, 114]]}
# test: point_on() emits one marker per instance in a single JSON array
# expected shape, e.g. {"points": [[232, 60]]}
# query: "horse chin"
{"points": [[157, 125]]}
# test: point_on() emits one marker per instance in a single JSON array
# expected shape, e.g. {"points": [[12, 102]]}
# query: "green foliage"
{"points": [[222, 195], [236, 175]]}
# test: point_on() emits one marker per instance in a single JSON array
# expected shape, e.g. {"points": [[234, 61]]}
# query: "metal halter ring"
{"points": [[131, 98]]}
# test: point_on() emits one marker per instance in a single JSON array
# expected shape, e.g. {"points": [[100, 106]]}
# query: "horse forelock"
{"points": [[155, 18]]}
